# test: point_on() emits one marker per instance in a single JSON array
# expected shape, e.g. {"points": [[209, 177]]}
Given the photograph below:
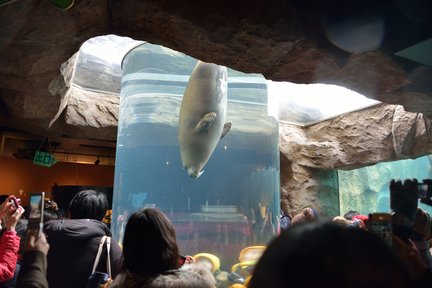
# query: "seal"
{"points": [[202, 116]]}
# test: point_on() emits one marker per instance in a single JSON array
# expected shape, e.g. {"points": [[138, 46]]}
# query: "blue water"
{"points": [[367, 189], [235, 203]]}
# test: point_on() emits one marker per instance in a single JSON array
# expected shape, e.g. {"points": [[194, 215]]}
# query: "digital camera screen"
{"points": [[35, 206], [423, 190]]}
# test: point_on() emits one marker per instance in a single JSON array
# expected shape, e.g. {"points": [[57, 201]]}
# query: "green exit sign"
{"points": [[45, 159], [63, 4]]}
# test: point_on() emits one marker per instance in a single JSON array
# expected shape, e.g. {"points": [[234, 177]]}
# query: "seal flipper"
{"points": [[206, 122], [226, 129]]}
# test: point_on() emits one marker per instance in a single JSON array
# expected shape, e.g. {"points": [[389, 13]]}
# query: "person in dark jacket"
{"points": [[74, 242], [34, 264]]}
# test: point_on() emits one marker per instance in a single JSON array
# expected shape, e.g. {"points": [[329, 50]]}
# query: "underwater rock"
{"points": [[202, 116]]}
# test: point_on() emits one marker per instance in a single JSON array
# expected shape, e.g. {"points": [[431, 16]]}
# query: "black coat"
{"points": [[73, 247]]}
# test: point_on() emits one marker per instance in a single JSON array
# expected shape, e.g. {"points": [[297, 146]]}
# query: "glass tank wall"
{"points": [[235, 202], [367, 189]]}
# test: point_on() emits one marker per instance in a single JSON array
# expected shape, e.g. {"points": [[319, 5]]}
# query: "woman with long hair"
{"points": [[151, 255]]}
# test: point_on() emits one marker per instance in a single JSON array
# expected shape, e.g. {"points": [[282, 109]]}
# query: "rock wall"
{"points": [[310, 155]]}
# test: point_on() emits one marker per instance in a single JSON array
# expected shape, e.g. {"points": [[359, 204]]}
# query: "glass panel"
{"points": [[235, 203], [98, 66], [366, 189]]}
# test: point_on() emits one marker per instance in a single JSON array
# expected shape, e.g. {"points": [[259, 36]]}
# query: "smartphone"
{"points": [[35, 221], [381, 225]]}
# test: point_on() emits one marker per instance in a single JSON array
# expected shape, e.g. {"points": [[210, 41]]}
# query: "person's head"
{"points": [[348, 215], [328, 255], [49, 215], [341, 221], [354, 223], [149, 244], [3, 197], [88, 204], [306, 215]]}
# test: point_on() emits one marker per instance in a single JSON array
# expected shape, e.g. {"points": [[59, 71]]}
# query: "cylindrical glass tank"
{"points": [[235, 202]]}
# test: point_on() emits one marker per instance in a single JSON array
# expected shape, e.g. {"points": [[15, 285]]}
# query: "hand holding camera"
{"points": [[37, 243], [12, 218], [404, 204], [15, 202], [35, 221], [404, 198], [10, 212]]}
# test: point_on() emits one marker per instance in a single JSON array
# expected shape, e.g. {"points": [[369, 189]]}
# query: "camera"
{"points": [[15, 203], [35, 220], [381, 225], [425, 191]]}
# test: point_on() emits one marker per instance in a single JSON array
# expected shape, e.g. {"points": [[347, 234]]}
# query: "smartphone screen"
{"points": [[35, 221], [423, 190], [381, 225]]}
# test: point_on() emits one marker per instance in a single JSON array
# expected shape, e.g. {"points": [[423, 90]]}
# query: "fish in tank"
{"points": [[235, 203]]}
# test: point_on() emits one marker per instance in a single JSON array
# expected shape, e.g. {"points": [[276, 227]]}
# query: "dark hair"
{"points": [[88, 204], [334, 256], [49, 215], [149, 244], [3, 197], [351, 213]]}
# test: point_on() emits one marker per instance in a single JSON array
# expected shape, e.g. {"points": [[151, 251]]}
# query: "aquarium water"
{"points": [[234, 204], [366, 189]]}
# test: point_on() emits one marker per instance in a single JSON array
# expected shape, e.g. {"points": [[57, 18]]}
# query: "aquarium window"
{"points": [[307, 104], [366, 189], [98, 67]]}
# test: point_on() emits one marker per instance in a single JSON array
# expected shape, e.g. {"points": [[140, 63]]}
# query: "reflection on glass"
{"points": [[161, 69], [235, 203], [98, 65], [35, 206], [366, 189], [307, 104]]}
